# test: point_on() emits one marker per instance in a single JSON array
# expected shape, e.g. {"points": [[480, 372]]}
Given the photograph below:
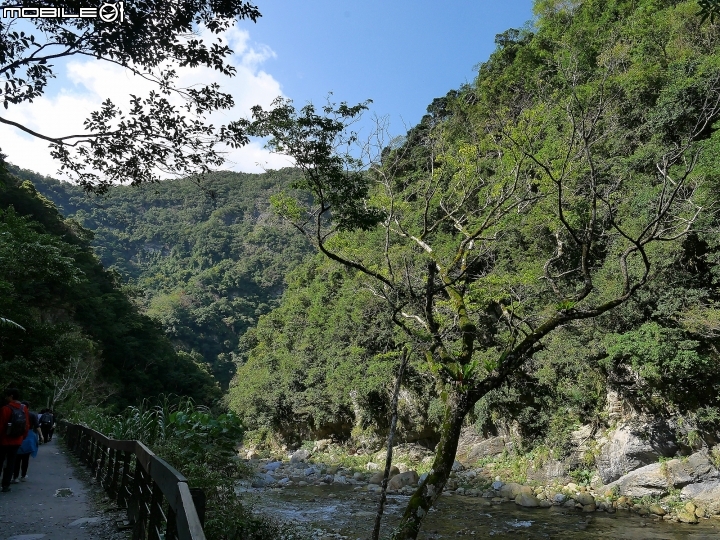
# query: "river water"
{"points": [[342, 510]]}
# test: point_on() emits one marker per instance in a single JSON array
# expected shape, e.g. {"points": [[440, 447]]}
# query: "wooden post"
{"points": [[110, 469], [123, 496], [135, 496], [101, 468], [94, 457], [113, 490]]}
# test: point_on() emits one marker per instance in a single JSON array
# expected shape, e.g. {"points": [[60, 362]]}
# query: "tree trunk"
{"points": [[391, 436], [458, 405]]}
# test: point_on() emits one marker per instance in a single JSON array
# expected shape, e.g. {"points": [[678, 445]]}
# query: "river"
{"points": [[342, 510]]}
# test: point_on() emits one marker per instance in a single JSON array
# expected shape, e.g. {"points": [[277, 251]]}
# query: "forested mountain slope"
{"points": [[204, 261], [590, 135], [82, 339]]}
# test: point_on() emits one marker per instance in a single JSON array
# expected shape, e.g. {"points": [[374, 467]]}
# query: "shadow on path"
{"points": [[52, 504]]}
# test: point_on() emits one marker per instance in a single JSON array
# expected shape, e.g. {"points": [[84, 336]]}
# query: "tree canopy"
{"points": [[156, 134], [82, 339], [205, 263]]}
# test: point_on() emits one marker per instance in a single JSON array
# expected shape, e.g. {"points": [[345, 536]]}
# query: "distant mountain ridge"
{"points": [[205, 260]]}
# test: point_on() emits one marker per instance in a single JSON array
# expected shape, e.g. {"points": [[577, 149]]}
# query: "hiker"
{"points": [[52, 426], [47, 422], [14, 427], [29, 447]]}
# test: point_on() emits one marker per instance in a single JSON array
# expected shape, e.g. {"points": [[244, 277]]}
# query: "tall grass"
{"points": [[147, 423]]}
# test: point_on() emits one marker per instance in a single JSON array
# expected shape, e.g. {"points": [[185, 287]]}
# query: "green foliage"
{"points": [[201, 445], [546, 226], [84, 340], [204, 261], [335, 179], [582, 477], [667, 361], [154, 134], [324, 362], [709, 9]]}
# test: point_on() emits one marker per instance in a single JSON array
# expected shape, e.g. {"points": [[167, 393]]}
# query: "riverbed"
{"points": [[348, 512]]}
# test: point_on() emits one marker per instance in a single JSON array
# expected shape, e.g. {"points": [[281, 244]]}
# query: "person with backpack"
{"points": [[14, 427], [29, 447], [47, 421]]}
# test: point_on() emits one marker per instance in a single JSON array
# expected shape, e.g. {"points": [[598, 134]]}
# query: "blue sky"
{"points": [[399, 53]]}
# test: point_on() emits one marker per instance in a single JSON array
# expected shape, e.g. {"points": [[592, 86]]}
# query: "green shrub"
{"points": [[202, 446]]}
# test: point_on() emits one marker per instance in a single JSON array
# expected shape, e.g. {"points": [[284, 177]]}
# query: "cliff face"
{"points": [[634, 457]]}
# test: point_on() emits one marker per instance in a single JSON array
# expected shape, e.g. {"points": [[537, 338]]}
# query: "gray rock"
{"points": [[376, 478], [656, 510], [686, 517], [300, 456], [273, 466], [551, 471], [401, 480], [283, 481], [694, 475], [310, 471], [559, 498], [457, 466], [321, 445], [650, 481], [338, 479], [489, 447], [695, 469], [262, 480], [632, 446], [706, 494], [497, 484], [512, 490], [584, 499], [526, 499], [358, 476]]}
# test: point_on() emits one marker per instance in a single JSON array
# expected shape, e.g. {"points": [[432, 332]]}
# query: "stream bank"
{"points": [[343, 512], [339, 501]]}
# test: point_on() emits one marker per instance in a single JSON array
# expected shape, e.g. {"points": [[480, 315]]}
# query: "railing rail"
{"points": [[159, 503]]}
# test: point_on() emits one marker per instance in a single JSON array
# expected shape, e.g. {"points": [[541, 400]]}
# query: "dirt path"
{"points": [[54, 503]]}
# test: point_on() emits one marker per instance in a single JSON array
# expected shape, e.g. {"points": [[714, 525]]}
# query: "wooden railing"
{"points": [[159, 503]]}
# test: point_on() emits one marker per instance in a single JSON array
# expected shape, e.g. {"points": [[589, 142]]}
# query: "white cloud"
{"points": [[90, 82]]}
